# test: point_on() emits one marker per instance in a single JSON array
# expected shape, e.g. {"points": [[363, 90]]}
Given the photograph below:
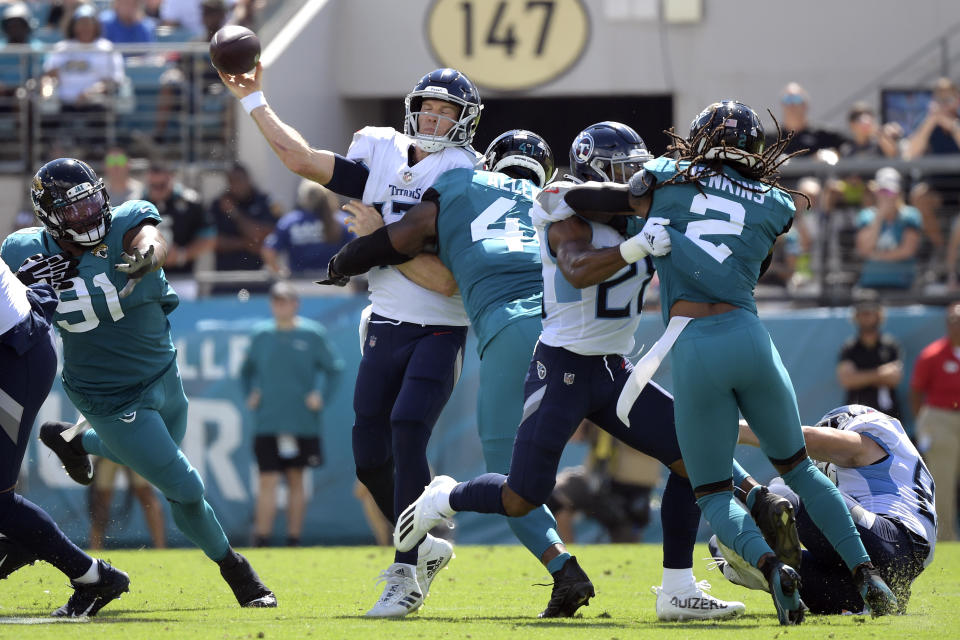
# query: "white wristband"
{"points": [[252, 101], [631, 250]]}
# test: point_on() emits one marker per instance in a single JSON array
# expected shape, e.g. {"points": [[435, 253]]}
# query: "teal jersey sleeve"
{"points": [[487, 240], [720, 234]]}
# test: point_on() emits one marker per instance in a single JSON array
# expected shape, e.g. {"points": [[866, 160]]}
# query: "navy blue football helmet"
{"points": [[839, 417], [731, 127], [448, 85], [607, 152], [71, 201], [522, 154]]}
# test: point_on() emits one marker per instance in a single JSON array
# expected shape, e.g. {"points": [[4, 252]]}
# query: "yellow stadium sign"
{"points": [[508, 45]]}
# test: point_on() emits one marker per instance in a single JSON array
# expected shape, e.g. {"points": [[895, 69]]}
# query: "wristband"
{"points": [[631, 250], [252, 101]]}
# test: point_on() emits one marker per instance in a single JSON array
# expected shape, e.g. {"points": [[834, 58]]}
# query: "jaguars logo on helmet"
{"points": [[71, 202], [607, 152], [451, 86], [521, 154]]}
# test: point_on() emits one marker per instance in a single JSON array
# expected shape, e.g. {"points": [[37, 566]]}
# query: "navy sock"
{"points": [[379, 482], [482, 494], [29, 526], [680, 517]]}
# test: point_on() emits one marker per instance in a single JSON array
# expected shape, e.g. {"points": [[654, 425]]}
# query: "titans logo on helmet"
{"points": [[583, 148]]}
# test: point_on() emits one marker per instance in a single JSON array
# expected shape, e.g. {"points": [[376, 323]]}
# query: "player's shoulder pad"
{"points": [[884, 429], [783, 199], [133, 212], [661, 168], [550, 206], [21, 244], [375, 134]]}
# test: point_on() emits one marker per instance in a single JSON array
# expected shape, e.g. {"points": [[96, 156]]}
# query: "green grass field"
{"points": [[486, 592]]}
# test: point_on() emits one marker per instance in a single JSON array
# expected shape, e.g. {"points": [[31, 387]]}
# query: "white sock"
{"points": [[92, 575], [424, 547], [678, 580]]}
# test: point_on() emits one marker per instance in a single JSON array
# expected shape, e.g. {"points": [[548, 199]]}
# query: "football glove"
{"points": [[653, 240], [137, 265], [334, 278], [57, 270]]}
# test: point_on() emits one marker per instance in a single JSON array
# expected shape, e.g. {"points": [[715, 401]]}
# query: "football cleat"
{"points": [[735, 568], [88, 599], [785, 588], [433, 555], [76, 463], [13, 556], [427, 511], [778, 524], [400, 596], [246, 585], [877, 596], [694, 604], [572, 589]]}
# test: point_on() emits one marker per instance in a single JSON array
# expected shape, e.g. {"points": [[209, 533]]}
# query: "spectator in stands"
{"points": [[86, 71], [185, 224], [18, 24], [290, 372], [101, 496], [613, 487], [307, 237], [953, 255], [866, 138], [938, 134], [61, 13], [184, 15], [120, 185], [888, 237], [870, 366], [935, 398], [795, 103], [244, 219], [126, 23], [16, 70]]}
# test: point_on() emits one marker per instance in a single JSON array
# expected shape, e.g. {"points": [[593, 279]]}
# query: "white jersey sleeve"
{"points": [[596, 320], [550, 205], [900, 485], [14, 305], [394, 186]]}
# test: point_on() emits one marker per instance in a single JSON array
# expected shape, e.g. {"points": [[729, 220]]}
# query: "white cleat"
{"points": [[426, 512], [695, 604], [402, 594], [735, 568], [432, 556]]}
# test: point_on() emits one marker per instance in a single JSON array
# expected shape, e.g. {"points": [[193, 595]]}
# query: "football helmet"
{"points": [[522, 154], [607, 152], [71, 201], [839, 417], [448, 85], [731, 129]]}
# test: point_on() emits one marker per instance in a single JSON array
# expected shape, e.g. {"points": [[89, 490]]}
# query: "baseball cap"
{"points": [[888, 179], [284, 290]]}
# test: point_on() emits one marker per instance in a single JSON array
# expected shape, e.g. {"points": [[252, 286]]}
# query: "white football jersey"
{"points": [[394, 187], [14, 305], [900, 485], [596, 320]]}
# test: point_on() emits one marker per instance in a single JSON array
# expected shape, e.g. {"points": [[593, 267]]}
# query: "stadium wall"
{"points": [[211, 337]]}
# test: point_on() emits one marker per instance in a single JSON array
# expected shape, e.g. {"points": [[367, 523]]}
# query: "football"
{"points": [[235, 50]]}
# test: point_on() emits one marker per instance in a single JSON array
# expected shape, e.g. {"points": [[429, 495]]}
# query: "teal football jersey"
{"points": [[719, 238], [111, 347], [486, 239]]}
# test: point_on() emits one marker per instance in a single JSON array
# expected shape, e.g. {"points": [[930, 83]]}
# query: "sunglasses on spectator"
{"points": [[793, 98], [116, 160]]}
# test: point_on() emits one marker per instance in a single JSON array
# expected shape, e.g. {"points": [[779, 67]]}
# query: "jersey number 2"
{"points": [[701, 203], [482, 226]]}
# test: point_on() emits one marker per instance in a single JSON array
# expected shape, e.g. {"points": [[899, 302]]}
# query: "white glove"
{"points": [[653, 240]]}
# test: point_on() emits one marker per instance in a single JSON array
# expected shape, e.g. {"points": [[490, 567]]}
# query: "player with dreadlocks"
{"points": [[722, 206]]}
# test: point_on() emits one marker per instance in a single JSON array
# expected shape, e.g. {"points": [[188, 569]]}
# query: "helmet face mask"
{"points": [[448, 85], [526, 153], [71, 202], [607, 152], [730, 131]]}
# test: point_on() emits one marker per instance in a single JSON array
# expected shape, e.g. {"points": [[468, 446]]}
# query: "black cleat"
{"points": [[785, 588], [876, 595], [87, 599], [778, 523], [13, 556], [572, 589], [245, 583], [72, 457]]}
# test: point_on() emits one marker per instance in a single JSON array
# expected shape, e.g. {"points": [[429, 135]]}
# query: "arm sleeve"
{"points": [[330, 363], [349, 177]]}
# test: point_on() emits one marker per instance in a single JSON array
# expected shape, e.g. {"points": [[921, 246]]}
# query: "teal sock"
{"points": [[752, 497], [734, 526], [557, 563], [829, 512], [537, 530], [739, 474]]}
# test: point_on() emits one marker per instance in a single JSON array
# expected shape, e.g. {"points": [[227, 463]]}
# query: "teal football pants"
{"points": [[146, 437], [503, 366]]}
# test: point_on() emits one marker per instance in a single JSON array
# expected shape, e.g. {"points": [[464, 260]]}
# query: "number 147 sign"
{"points": [[508, 44]]}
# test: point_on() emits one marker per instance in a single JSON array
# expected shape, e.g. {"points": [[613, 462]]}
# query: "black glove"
{"points": [[333, 277], [56, 270]]}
